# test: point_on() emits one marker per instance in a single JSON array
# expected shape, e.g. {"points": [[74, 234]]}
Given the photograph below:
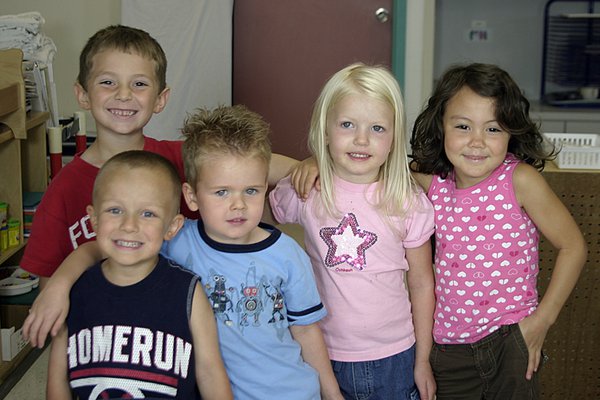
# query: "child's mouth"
{"points": [[359, 156], [122, 113], [128, 244]]}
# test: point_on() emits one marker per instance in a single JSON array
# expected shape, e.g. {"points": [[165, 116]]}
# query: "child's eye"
{"points": [[346, 124], [148, 214], [378, 128], [495, 130], [251, 191], [114, 210], [221, 193], [462, 127], [106, 82], [140, 84]]}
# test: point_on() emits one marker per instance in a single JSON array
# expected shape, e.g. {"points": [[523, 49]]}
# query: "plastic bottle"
{"points": [[14, 232], [3, 225]]}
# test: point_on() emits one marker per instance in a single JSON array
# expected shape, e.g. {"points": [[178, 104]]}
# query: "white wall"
{"points": [[420, 36], [69, 23], [515, 37]]}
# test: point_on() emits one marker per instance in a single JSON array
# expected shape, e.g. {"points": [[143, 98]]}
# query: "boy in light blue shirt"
{"points": [[259, 281]]}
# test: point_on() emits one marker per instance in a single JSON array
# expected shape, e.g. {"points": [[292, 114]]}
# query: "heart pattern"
{"points": [[486, 276]]}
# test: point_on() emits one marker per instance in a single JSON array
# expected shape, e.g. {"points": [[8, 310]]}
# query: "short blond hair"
{"points": [[139, 159], [224, 130]]}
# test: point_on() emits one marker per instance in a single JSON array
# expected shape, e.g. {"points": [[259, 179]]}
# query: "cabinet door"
{"points": [[583, 127], [549, 126]]}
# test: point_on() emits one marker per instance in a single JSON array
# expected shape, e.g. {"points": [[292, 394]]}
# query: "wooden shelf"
{"points": [[24, 168]]}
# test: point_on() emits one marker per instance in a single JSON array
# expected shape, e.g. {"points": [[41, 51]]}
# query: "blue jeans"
{"points": [[390, 378]]}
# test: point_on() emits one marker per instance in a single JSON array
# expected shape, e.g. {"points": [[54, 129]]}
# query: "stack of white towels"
{"points": [[23, 31]]}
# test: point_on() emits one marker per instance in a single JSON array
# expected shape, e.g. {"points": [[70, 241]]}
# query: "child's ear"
{"points": [[174, 227], [161, 100], [82, 96], [92, 214], [190, 196]]}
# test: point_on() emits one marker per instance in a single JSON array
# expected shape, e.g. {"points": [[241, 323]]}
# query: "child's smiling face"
{"points": [[474, 141], [122, 92], [360, 132], [132, 215]]}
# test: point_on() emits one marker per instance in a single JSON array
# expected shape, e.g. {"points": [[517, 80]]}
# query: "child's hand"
{"points": [[424, 380], [534, 332], [47, 314], [305, 176]]}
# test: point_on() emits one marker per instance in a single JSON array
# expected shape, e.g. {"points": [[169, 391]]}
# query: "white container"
{"points": [[19, 282], [577, 150]]}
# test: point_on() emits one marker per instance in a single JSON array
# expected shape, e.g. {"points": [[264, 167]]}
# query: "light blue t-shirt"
{"points": [[257, 291]]}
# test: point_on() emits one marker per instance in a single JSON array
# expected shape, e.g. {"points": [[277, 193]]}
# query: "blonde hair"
{"points": [[224, 130], [396, 186]]}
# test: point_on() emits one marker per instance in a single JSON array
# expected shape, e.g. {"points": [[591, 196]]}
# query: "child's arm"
{"points": [[211, 377], [280, 167], [314, 353], [422, 299], [305, 177], [558, 226], [57, 387], [49, 310]]}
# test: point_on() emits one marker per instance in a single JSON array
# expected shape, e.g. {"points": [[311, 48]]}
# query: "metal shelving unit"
{"points": [[571, 56]]}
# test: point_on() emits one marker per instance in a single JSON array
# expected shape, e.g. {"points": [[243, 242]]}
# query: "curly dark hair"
{"points": [[512, 114]]}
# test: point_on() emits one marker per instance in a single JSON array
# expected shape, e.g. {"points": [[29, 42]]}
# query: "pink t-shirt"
{"points": [[359, 264], [486, 257]]}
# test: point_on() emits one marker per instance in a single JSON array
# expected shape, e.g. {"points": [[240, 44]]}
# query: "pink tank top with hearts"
{"points": [[486, 257]]}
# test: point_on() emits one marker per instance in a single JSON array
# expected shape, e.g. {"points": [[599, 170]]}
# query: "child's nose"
{"points": [[123, 93], [238, 203], [361, 138], [477, 139], [129, 223]]}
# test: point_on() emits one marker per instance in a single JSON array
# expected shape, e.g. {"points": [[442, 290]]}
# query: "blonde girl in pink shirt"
{"points": [[366, 230]]}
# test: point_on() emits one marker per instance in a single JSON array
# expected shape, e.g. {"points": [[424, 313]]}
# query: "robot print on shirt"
{"points": [[250, 305], [220, 297], [277, 311], [347, 243]]}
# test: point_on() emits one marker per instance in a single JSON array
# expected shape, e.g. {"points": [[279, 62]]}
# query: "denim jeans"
{"points": [[492, 368], [391, 378]]}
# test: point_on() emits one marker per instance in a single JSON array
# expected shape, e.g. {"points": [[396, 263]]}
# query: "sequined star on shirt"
{"points": [[347, 243]]}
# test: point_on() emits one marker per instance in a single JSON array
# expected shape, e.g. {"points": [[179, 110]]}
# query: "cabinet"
{"points": [[565, 119], [573, 371], [23, 167]]}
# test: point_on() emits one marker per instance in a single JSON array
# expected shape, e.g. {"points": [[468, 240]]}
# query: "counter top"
{"points": [[565, 113], [552, 167]]}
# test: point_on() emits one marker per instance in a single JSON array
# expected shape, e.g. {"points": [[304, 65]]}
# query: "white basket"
{"points": [[577, 150]]}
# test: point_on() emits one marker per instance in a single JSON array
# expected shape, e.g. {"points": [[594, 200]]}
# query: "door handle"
{"points": [[382, 15]]}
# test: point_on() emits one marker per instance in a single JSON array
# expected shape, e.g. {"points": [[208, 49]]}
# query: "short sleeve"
{"points": [[285, 204], [420, 223], [302, 300]]}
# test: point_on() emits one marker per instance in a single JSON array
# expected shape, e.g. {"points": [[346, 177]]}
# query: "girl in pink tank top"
{"points": [[477, 153]]}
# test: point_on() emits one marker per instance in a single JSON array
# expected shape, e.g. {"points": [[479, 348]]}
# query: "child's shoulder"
{"points": [[528, 185], [162, 147], [423, 180]]}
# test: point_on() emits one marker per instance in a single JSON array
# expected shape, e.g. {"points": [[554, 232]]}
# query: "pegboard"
{"points": [[573, 342]]}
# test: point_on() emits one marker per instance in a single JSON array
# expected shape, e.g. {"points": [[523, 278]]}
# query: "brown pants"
{"points": [[492, 369]]}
